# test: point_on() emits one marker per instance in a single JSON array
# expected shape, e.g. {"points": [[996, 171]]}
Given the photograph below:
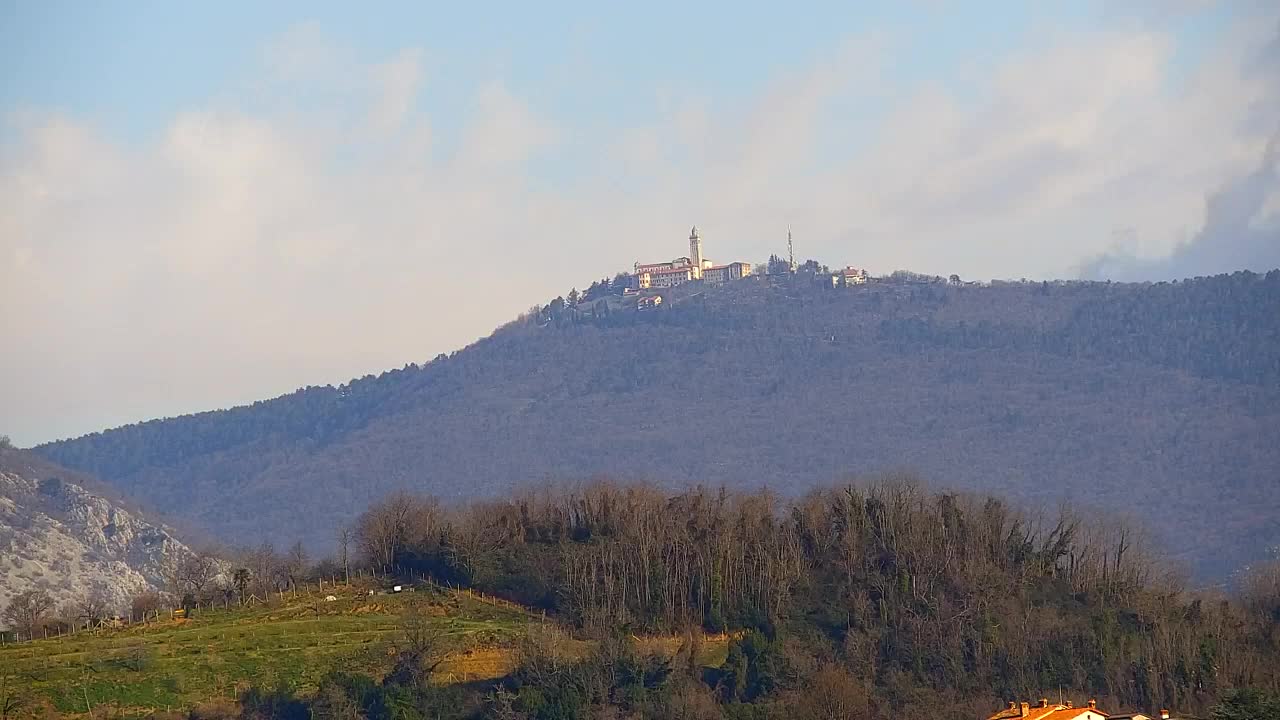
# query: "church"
{"points": [[685, 269]]}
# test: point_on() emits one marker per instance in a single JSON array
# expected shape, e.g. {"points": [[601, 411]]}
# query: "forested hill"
{"points": [[1159, 401]]}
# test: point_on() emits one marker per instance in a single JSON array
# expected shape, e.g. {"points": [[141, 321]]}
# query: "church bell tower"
{"points": [[695, 252]]}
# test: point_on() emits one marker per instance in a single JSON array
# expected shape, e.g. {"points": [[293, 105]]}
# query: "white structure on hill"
{"points": [[695, 250], [685, 269], [718, 274], [851, 276]]}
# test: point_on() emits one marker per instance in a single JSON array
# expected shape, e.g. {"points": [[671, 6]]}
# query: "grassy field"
{"points": [[177, 663], [293, 641]]}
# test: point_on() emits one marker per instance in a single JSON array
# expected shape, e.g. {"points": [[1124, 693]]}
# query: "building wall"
{"points": [[724, 273], [671, 278], [715, 275]]}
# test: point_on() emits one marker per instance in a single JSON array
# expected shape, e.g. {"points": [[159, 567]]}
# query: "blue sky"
{"points": [[131, 67], [218, 203]]}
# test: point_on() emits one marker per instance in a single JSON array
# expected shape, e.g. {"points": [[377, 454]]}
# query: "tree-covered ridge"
{"points": [[907, 600], [1226, 326], [1122, 395], [1219, 327], [315, 414]]}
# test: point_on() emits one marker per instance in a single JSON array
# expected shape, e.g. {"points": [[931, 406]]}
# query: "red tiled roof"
{"points": [[1045, 711]]}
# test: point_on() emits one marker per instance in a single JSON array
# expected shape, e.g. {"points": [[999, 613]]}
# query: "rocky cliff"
{"points": [[72, 540]]}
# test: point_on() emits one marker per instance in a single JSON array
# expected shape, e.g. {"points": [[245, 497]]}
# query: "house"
{"points": [[648, 303], [851, 276], [1044, 710]]}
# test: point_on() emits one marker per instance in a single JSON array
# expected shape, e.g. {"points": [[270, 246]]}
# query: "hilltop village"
{"points": [[694, 266], [649, 285]]}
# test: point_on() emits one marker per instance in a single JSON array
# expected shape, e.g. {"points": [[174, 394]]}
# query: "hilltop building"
{"points": [[851, 276], [717, 274], [685, 269]]}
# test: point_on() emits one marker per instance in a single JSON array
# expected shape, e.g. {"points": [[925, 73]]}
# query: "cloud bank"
{"points": [[1241, 232], [314, 225]]}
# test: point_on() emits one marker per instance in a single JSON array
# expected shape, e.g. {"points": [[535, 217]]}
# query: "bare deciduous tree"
{"points": [[833, 694], [143, 604], [344, 551], [189, 574], [90, 608], [295, 563], [388, 527], [419, 651], [28, 610], [262, 564]]}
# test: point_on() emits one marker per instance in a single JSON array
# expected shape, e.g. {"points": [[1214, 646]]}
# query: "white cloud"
{"points": [[1241, 231], [503, 136], [398, 83], [324, 233]]}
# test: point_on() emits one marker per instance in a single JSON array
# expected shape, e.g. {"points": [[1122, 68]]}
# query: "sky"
{"points": [[203, 205]]}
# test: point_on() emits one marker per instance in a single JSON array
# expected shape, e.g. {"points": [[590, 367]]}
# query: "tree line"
{"points": [[925, 597]]}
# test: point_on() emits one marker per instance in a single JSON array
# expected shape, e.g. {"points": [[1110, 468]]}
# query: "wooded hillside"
{"points": [[1161, 401], [909, 603]]}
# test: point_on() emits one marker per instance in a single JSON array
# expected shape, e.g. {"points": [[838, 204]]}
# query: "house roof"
{"points": [[1044, 710]]}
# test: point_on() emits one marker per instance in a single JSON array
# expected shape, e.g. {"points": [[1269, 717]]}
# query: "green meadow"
{"points": [[291, 641]]}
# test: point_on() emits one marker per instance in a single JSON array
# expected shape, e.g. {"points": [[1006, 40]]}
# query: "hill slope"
{"points": [[57, 534], [293, 640], [1160, 400], [218, 653]]}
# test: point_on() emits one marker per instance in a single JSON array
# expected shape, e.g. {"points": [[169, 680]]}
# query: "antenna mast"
{"points": [[791, 252]]}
